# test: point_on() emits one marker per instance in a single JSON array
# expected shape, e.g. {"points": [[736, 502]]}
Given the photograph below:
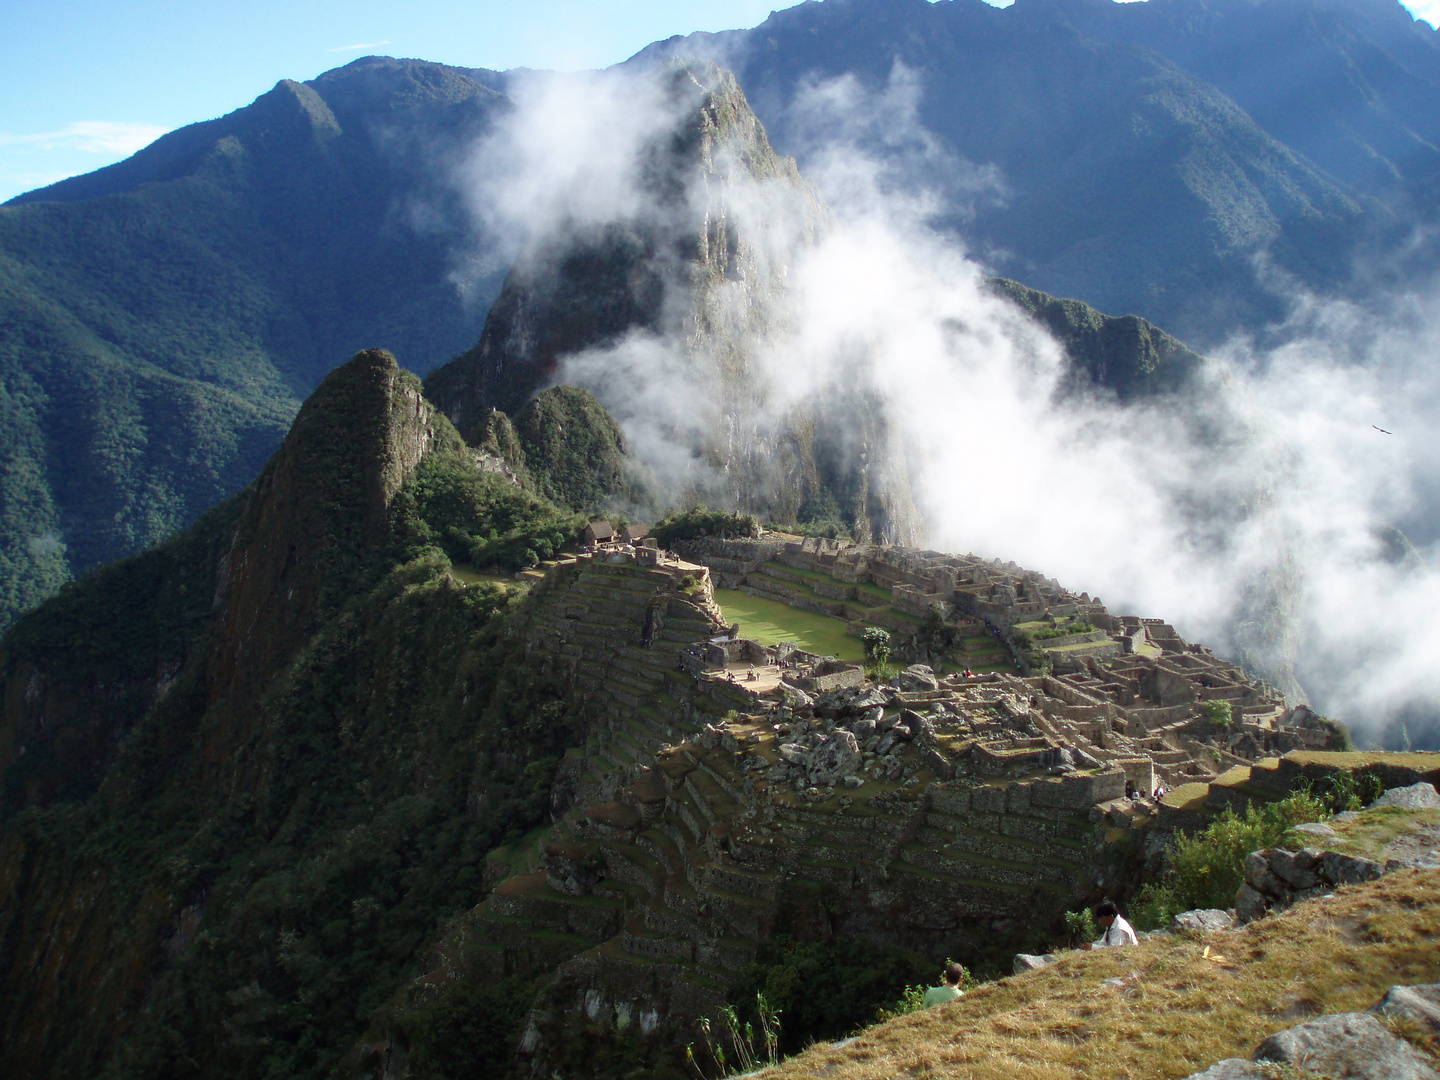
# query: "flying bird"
{"points": [[1382, 430]]}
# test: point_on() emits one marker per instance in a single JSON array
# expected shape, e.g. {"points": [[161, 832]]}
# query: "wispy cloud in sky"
{"points": [[357, 48], [89, 137]]}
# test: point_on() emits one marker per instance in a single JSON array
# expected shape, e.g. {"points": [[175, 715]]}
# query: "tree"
{"points": [[877, 646]]}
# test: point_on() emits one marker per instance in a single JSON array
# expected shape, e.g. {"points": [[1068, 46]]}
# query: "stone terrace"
{"points": [[948, 812]]}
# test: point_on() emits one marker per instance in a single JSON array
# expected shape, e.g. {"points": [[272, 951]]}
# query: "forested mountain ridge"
{"points": [[160, 319], [278, 725]]}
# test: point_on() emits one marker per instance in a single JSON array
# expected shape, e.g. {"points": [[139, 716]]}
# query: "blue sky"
{"points": [[87, 82]]}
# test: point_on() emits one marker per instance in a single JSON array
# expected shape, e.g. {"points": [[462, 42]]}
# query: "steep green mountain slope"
{"points": [[1350, 84], [161, 318], [288, 725], [1127, 355]]}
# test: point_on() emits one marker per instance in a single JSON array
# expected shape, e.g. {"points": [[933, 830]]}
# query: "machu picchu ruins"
{"points": [[731, 790]]}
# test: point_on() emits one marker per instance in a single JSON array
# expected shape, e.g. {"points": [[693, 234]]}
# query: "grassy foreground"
{"points": [[1179, 1010]]}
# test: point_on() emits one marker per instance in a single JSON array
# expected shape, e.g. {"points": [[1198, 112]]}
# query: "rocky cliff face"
{"points": [[700, 280], [321, 505]]}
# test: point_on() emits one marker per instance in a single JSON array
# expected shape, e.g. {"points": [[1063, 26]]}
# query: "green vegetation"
{"points": [[912, 999], [771, 622], [1345, 789], [1081, 928], [161, 318], [1184, 1005], [1126, 354], [827, 989], [749, 1047], [1218, 714], [1049, 633], [699, 521], [470, 1032], [1208, 868], [877, 651], [573, 448], [326, 799]]}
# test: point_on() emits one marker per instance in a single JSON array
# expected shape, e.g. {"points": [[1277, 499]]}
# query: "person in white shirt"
{"points": [[1117, 930]]}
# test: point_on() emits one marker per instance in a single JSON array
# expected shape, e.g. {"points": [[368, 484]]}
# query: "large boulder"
{"points": [[1351, 1045], [918, 678], [1203, 920], [834, 756], [1421, 796]]}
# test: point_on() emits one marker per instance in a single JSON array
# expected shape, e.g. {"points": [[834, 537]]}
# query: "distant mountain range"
{"points": [[161, 319], [1148, 153]]}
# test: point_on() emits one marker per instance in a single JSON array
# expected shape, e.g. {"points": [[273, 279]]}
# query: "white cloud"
{"points": [[114, 139], [359, 47], [1249, 513], [1429, 10]]}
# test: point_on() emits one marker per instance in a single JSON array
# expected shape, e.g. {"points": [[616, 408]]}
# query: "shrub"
{"points": [[827, 990], [1207, 869], [1051, 632], [877, 652], [699, 521], [829, 529], [1080, 927], [1346, 790]]}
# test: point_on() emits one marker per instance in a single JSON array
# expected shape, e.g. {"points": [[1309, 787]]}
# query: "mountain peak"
{"points": [[319, 507]]}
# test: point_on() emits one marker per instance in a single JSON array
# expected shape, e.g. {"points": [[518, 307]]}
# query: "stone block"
{"points": [[1260, 877], [1284, 865], [1018, 799], [939, 764], [1250, 904], [1232, 1069], [949, 800], [1353, 1045], [1202, 921], [988, 800]]}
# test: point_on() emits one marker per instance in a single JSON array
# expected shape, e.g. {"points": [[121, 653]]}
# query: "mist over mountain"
{"points": [[166, 314], [1191, 161], [365, 764], [161, 318]]}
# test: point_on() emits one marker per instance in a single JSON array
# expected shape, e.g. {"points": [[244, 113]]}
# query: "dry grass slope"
{"points": [[1180, 1010]]}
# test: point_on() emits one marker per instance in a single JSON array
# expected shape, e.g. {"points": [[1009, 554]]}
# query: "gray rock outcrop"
{"points": [[1347, 1045], [1418, 1004], [1028, 962], [918, 677], [1421, 796], [1276, 878], [1232, 1069], [1203, 920]]}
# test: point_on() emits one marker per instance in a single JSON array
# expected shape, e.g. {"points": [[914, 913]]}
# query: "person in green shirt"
{"points": [[947, 991]]}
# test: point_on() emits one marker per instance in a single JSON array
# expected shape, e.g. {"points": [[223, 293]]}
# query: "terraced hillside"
{"points": [[716, 805]]}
